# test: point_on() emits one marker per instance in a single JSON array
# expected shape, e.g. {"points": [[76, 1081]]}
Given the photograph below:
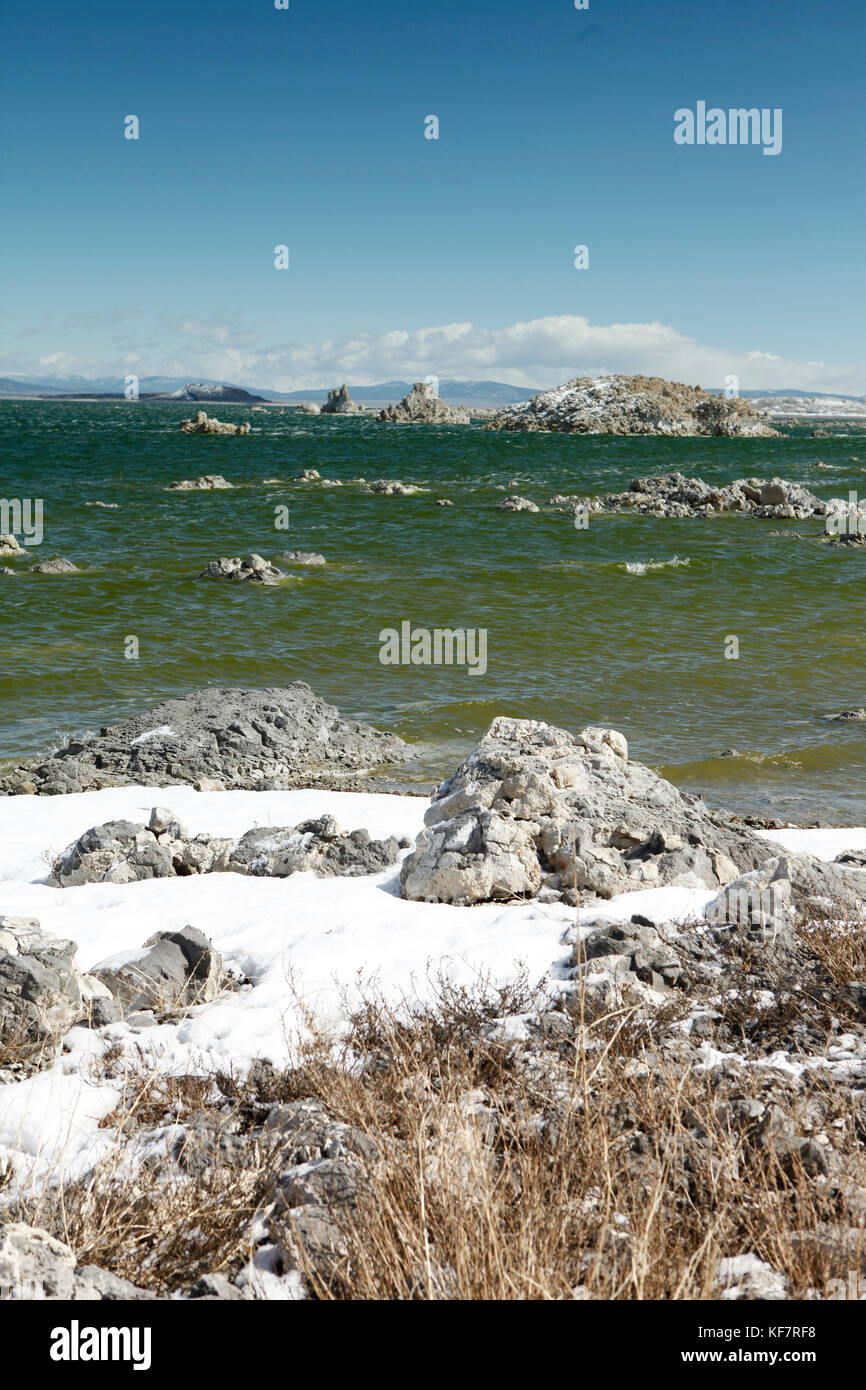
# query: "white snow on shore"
{"points": [[305, 943]]}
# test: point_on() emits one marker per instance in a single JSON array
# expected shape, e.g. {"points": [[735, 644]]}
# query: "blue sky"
{"points": [[306, 127]]}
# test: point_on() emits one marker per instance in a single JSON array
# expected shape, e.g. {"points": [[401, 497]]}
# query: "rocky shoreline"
{"points": [[690, 1064]]}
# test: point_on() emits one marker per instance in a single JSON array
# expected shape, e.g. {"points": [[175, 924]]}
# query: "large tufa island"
{"points": [[634, 405]]}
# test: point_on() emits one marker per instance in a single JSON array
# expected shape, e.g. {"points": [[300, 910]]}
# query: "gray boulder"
{"points": [[42, 991], [117, 852], [173, 970], [243, 569], [318, 845], [241, 738], [535, 807], [125, 852], [35, 1265], [769, 895]]}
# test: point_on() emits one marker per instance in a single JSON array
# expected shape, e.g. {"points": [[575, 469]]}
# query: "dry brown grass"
{"points": [[600, 1158], [632, 1187]]}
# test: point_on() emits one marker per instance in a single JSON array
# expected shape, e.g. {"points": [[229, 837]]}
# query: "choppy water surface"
{"points": [[623, 623]]}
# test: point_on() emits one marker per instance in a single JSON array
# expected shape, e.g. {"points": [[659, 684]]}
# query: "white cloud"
{"points": [[540, 352]]}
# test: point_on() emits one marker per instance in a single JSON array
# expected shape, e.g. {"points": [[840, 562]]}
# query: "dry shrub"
{"points": [[593, 1156]]}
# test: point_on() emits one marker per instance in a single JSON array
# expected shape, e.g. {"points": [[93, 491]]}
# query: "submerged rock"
{"points": [[202, 423], [208, 482], [392, 487], [243, 569], [59, 565], [535, 807], [515, 503], [281, 737], [633, 405], [302, 557], [423, 407]]}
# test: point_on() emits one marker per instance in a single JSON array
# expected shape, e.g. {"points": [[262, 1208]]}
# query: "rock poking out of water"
{"points": [[302, 557], [851, 714], [537, 808], [308, 408], [202, 423], [514, 503], [208, 482], [675, 495], [234, 738], [59, 565], [309, 475], [10, 548], [339, 402], [423, 407], [125, 852], [633, 405], [243, 569], [392, 487], [855, 540]]}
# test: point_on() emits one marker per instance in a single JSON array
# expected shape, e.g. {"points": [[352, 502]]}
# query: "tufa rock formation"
{"points": [[202, 423], [124, 851], [423, 407], [243, 569], [675, 495], [534, 807], [281, 737], [633, 405], [341, 403]]}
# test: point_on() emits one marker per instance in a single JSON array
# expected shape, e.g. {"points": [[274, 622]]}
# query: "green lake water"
{"points": [[583, 626]]}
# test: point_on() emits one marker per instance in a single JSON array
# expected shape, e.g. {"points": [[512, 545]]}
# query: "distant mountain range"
{"points": [[478, 393], [807, 404]]}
